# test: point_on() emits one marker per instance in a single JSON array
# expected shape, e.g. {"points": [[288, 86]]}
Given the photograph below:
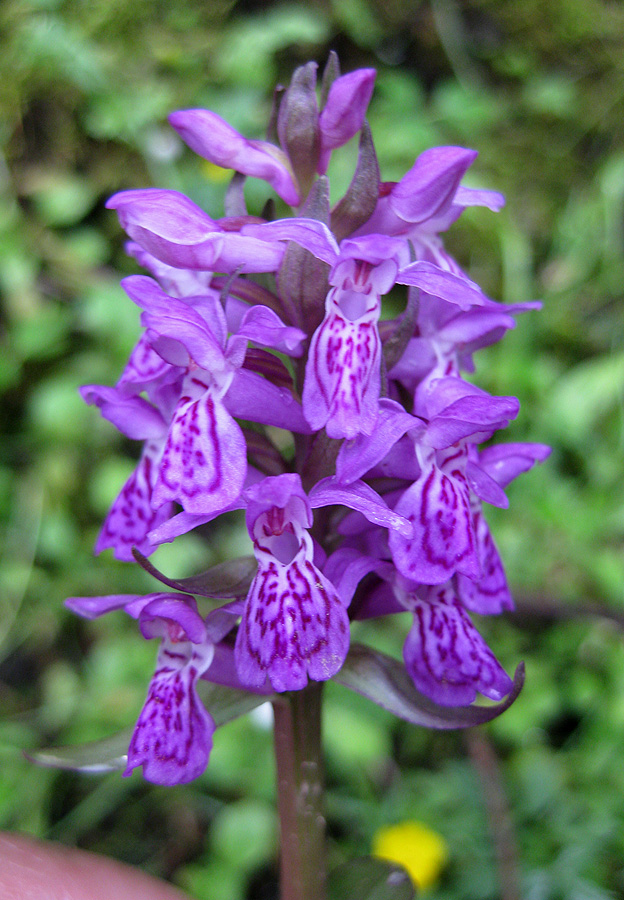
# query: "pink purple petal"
{"points": [[489, 594], [342, 379], [445, 655], [211, 137], [438, 507], [134, 513], [294, 627], [204, 460], [172, 738]]}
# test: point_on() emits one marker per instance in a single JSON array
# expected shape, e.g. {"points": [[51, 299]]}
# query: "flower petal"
{"points": [[443, 542], [204, 461], [132, 415], [252, 397], [361, 497], [489, 594], [345, 109], [294, 627], [479, 197], [430, 185], [447, 286], [311, 234], [343, 377], [208, 135], [263, 326], [357, 456], [94, 607], [176, 282], [172, 738], [175, 230], [445, 655], [134, 514], [504, 462], [145, 368]]}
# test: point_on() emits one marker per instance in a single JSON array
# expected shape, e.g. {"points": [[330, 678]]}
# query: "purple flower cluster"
{"points": [[375, 505]]}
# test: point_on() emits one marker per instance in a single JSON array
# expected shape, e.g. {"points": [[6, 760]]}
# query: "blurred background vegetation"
{"points": [[537, 797]]}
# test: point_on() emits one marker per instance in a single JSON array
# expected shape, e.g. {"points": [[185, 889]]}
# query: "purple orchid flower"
{"points": [[172, 738], [343, 378], [295, 625], [174, 230], [208, 135], [427, 200], [343, 114], [135, 512], [444, 654], [203, 463], [288, 393]]}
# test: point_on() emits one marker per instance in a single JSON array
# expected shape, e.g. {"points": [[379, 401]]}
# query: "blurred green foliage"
{"points": [[538, 89]]}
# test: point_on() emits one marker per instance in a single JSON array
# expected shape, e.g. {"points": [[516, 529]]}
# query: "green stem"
{"points": [[300, 793]]}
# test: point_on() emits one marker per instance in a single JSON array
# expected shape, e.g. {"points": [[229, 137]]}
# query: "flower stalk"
{"points": [[297, 738]]}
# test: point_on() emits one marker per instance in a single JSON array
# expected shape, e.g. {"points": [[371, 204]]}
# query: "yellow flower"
{"points": [[421, 851]]}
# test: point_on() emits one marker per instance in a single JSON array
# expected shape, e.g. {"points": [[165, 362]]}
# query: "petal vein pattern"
{"points": [[204, 460], [295, 625]]}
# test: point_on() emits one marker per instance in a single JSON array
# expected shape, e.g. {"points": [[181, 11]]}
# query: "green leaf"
{"points": [[583, 396], [110, 754], [94, 758], [367, 878], [385, 681], [227, 580]]}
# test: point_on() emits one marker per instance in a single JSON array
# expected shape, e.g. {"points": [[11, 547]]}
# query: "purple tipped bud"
{"points": [[344, 112]]}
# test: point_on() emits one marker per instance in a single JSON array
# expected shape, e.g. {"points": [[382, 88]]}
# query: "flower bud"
{"points": [[298, 126]]}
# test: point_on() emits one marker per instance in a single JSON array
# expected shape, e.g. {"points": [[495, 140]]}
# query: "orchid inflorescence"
{"points": [[265, 380]]}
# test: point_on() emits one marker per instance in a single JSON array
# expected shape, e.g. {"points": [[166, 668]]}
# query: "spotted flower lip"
{"points": [[343, 375], [444, 653], [172, 738], [273, 379], [295, 626]]}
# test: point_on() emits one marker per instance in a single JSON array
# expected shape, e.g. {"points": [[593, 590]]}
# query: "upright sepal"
{"points": [[211, 137]]}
